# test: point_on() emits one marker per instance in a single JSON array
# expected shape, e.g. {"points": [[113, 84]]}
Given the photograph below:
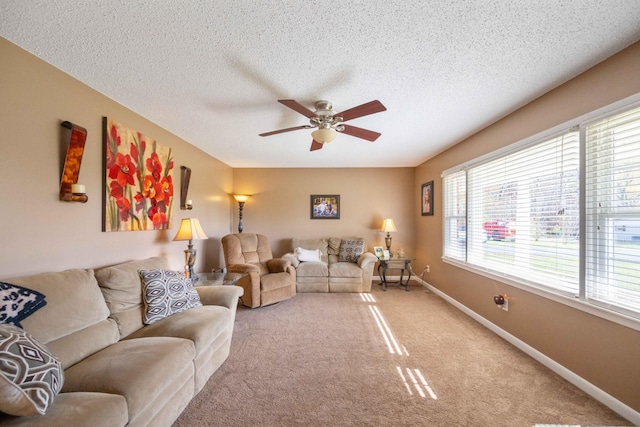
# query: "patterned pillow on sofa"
{"points": [[31, 376], [350, 250], [165, 293], [17, 303]]}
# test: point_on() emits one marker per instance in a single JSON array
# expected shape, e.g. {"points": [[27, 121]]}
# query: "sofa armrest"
{"points": [[366, 258], [278, 265], [226, 296], [293, 258], [243, 268]]}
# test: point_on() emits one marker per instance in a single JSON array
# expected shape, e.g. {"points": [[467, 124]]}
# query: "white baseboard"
{"points": [[584, 385]]}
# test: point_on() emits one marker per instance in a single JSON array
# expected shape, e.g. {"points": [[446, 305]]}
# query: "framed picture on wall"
{"points": [[427, 198], [325, 206]]}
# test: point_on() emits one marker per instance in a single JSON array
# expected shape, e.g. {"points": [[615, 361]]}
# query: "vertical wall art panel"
{"points": [[138, 181]]}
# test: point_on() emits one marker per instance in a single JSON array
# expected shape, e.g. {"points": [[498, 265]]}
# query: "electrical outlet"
{"points": [[501, 301], [428, 269]]}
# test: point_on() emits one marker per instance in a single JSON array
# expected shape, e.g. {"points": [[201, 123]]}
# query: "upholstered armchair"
{"points": [[268, 280]]}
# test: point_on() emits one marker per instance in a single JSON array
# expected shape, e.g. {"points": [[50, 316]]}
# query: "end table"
{"points": [[401, 264], [218, 279]]}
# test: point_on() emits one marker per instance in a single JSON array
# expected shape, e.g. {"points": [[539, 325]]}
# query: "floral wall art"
{"points": [[138, 180]]}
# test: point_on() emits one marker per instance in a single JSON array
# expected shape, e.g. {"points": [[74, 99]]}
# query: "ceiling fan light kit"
{"points": [[324, 135], [329, 123]]}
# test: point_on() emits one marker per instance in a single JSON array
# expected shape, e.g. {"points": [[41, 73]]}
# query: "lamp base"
{"points": [[387, 241], [189, 261]]}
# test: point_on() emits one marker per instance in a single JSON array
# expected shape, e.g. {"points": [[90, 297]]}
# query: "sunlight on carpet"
{"points": [[417, 379], [413, 376]]}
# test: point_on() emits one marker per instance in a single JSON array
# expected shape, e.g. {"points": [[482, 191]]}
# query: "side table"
{"points": [[218, 279], [401, 264]]}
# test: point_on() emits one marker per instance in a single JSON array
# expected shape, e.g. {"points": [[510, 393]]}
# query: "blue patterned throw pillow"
{"points": [[17, 303], [165, 293], [31, 376]]}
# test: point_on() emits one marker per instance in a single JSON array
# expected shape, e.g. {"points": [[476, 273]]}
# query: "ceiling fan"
{"points": [[328, 122]]}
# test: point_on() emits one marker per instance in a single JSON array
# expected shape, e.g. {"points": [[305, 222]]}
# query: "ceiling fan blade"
{"points": [[294, 105], [285, 130], [362, 110], [369, 135], [315, 145]]}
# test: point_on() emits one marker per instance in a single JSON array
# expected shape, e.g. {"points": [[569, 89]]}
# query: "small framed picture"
{"points": [[325, 206], [427, 199], [378, 251]]}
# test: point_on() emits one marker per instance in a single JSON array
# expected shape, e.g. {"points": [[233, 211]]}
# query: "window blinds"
{"points": [[561, 213], [523, 214], [613, 211], [455, 211]]}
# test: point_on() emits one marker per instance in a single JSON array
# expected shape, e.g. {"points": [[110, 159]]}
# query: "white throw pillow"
{"points": [[308, 254]]}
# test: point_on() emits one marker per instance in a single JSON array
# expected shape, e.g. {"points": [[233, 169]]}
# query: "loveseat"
{"points": [[117, 370], [331, 264]]}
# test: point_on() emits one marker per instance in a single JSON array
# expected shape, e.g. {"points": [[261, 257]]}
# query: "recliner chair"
{"points": [[268, 280]]}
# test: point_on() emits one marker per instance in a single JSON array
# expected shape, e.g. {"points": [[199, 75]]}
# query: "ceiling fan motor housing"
{"points": [[325, 116]]}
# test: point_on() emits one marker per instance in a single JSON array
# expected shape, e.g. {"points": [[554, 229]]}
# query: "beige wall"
{"points": [[604, 353], [39, 232], [280, 205]]}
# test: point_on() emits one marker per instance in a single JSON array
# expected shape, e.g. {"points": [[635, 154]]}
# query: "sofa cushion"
{"points": [[202, 325], [75, 306], [308, 255], [334, 246], [77, 409], [246, 248], [166, 292], [273, 281], [322, 244], [312, 269], [122, 289], [30, 374], [350, 250], [17, 303], [344, 269], [146, 371]]}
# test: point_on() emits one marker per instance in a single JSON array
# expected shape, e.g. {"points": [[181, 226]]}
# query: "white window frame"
{"points": [[579, 301]]}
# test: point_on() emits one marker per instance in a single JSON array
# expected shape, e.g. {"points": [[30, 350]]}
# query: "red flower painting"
{"points": [[139, 178]]}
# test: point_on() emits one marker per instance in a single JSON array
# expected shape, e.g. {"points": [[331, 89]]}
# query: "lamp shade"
{"points": [[190, 229], [388, 225], [324, 135], [241, 197]]}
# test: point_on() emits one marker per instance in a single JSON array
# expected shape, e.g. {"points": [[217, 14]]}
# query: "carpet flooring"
{"points": [[391, 358]]}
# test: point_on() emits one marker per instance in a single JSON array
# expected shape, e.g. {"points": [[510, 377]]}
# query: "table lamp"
{"points": [[389, 226], [190, 230]]}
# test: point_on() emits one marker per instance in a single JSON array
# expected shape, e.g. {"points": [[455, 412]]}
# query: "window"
{"points": [[613, 211], [455, 221], [518, 214]]}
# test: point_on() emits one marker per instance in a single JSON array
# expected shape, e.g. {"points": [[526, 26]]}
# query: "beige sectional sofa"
{"points": [[343, 265], [117, 370]]}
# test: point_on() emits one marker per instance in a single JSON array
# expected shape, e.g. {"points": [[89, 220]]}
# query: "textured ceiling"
{"points": [[212, 71]]}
